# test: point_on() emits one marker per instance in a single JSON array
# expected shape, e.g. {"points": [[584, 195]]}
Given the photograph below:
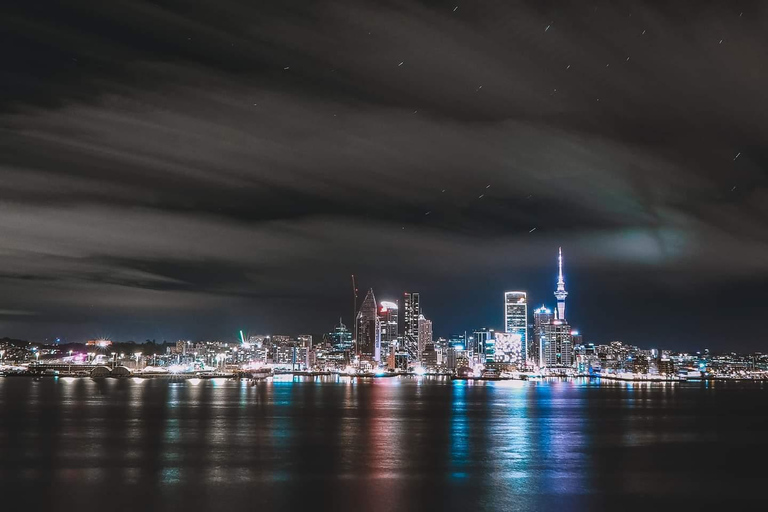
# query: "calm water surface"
{"points": [[391, 444]]}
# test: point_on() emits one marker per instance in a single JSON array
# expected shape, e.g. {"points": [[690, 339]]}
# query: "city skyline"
{"points": [[542, 339], [238, 168]]}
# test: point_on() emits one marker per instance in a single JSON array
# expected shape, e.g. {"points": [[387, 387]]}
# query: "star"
{"points": [[455, 8], [286, 68], [547, 28], [531, 231], [401, 63], [737, 156]]}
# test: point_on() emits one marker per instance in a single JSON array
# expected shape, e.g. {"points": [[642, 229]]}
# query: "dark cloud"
{"points": [[175, 170]]}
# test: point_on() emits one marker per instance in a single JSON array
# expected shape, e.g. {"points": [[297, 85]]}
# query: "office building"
{"points": [[478, 343], [508, 351], [556, 345], [541, 316], [388, 318], [411, 313], [368, 330], [340, 339], [516, 317], [425, 333]]}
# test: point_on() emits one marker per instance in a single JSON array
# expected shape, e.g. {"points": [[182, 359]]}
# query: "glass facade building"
{"points": [[516, 317]]}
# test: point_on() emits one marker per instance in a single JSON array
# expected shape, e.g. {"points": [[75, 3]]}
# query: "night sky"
{"points": [[186, 169]]}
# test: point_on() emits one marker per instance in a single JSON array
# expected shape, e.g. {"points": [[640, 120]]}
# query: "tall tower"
{"points": [[560, 293], [411, 312], [389, 325], [425, 333], [516, 316], [541, 317], [368, 330]]}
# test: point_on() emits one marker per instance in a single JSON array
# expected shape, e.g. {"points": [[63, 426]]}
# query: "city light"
{"points": [[379, 346]]}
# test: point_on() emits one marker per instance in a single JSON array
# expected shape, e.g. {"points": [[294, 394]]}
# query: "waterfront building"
{"points": [[507, 350], [516, 317], [340, 339], [425, 333], [479, 339], [411, 314], [429, 355], [458, 340], [556, 345], [388, 318], [368, 330], [585, 358], [541, 316]]}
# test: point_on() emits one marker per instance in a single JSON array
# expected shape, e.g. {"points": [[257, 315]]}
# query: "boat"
{"points": [[490, 374]]}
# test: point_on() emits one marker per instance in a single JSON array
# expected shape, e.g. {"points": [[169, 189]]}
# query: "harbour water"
{"points": [[328, 443]]}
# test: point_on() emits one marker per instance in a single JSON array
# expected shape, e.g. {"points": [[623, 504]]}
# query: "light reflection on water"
{"points": [[384, 444]]}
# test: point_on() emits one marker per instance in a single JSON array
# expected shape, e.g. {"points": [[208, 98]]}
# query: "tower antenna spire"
{"points": [[560, 292]]}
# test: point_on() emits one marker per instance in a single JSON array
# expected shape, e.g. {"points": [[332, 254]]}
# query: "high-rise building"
{"points": [[560, 293], [389, 325], [368, 330], [458, 340], [429, 355], [541, 316], [411, 313], [556, 345], [516, 317], [479, 341], [508, 350], [340, 339], [425, 333]]}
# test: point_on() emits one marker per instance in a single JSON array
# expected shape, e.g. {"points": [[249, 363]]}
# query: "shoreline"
{"points": [[312, 375]]}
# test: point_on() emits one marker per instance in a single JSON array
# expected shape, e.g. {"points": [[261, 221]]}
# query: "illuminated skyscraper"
{"points": [[507, 350], [411, 312], [560, 292], [516, 317], [368, 330], [479, 342], [389, 327], [340, 339], [556, 345], [541, 316], [425, 333]]}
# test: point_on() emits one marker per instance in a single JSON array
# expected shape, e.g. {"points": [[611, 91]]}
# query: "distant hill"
{"points": [[15, 342]]}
